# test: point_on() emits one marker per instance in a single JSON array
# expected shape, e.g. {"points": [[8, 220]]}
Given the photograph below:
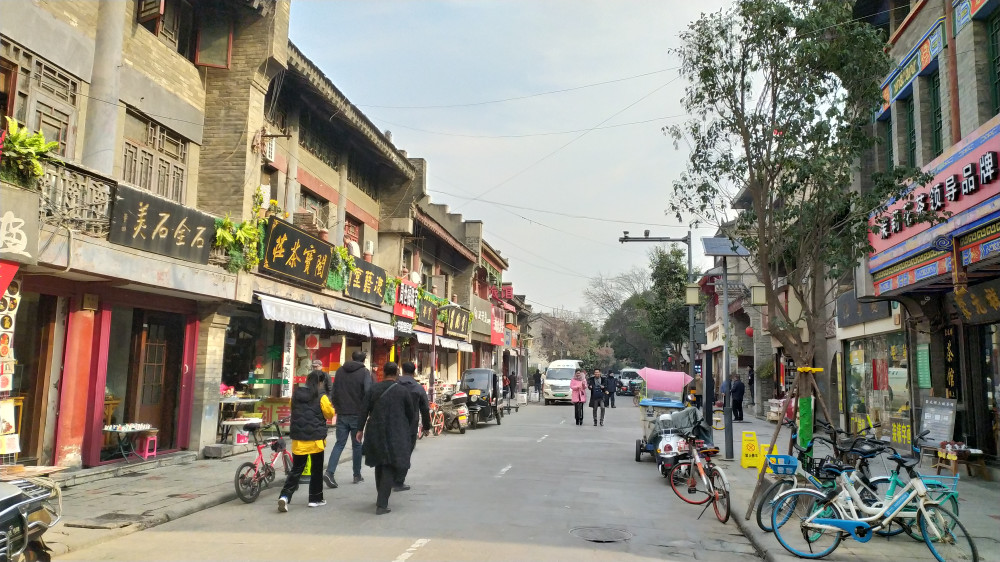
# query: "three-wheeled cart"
{"points": [[650, 410]]}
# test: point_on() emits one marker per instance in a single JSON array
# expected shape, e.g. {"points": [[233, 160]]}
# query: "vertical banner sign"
{"points": [[496, 326], [951, 386], [923, 365], [10, 301], [288, 361]]}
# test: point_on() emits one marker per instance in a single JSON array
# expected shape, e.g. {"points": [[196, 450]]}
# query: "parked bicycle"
{"points": [[252, 477], [699, 481]]}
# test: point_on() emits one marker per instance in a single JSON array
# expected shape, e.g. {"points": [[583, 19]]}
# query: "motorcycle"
{"points": [[456, 411], [28, 508]]}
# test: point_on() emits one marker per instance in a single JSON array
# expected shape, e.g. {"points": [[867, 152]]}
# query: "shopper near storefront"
{"points": [[310, 409], [387, 421], [419, 395], [350, 384], [736, 392]]}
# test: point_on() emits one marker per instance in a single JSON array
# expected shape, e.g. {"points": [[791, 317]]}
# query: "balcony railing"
{"points": [[74, 197]]}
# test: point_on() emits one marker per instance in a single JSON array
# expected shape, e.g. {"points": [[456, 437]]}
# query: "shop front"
{"points": [[946, 275], [480, 333]]}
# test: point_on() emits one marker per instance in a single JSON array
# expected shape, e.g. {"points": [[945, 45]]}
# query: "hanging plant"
{"points": [[335, 281], [243, 242], [390, 291], [24, 153]]}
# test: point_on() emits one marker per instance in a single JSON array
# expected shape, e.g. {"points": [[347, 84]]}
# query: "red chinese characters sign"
{"points": [[496, 326], [406, 300], [501, 293]]}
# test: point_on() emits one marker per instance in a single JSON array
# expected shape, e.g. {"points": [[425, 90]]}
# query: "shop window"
{"points": [[38, 94], [937, 122], [352, 230], [154, 158], [205, 37], [878, 381], [911, 132], [426, 277]]}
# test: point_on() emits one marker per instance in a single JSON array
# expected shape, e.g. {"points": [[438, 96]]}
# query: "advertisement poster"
{"points": [[8, 423]]}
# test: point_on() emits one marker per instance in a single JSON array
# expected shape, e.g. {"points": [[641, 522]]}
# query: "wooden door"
{"points": [[154, 386]]}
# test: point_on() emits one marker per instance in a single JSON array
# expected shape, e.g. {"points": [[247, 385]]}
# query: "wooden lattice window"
{"points": [[154, 158]]}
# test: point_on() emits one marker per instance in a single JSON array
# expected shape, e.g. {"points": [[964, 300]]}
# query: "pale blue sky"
{"points": [[407, 55]]}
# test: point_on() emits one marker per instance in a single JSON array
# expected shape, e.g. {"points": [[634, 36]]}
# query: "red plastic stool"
{"points": [[147, 445]]}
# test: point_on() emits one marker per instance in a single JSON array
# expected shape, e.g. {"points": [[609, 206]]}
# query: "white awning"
{"points": [[423, 338], [383, 331], [465, 346], [281, 310], [346, 323], [513, 351], [448, 343]]}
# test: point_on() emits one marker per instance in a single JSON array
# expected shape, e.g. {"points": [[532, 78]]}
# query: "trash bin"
{"points": [[522, 398]]}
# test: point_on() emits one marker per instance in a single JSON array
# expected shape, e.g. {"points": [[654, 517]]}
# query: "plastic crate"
{"points": [[782, 464]]}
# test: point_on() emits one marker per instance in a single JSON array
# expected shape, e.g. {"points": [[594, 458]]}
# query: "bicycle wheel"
{"points": [[438, 422], [765, 506], [792, 526], [720, 489], [246, 482], [945, 535], [269, 474], [687, 484], [718, 419], [902, 522], [635, 399]]}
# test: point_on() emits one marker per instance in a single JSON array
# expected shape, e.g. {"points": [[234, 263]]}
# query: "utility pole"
{"points": [[707, 408]]}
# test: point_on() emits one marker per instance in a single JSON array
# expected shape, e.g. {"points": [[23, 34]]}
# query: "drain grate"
{"points": [[601, 534]]}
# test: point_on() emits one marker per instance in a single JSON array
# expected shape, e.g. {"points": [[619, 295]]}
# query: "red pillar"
{"points": [[74, 385], [191, 328]]}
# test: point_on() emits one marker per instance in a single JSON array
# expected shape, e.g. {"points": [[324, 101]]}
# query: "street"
{"points": [[514, 491]]}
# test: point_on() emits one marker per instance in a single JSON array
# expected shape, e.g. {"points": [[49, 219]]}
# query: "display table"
{"points": [[126, 443], [951, 462], [229, 408], [228, 425]]}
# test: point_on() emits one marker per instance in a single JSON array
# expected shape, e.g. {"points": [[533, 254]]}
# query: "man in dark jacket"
{"points": [[419, 396], [736, 391], [350, 383], [598, 393], [537, 380], [387, 421]]}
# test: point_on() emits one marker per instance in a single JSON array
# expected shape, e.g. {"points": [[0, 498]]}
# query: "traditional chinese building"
{"points": [[940, 113]]}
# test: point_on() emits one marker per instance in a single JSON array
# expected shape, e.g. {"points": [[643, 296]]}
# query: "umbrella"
{"points": [[666, 381]]}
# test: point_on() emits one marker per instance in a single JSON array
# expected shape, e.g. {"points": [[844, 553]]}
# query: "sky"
{"points": [[526, 111]]}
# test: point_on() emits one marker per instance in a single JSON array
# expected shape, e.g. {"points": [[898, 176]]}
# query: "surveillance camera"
{"points": [[625, 232], [646, 233]]}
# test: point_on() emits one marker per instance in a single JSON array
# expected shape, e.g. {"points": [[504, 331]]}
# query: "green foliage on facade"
{"points": [[24, 153]]}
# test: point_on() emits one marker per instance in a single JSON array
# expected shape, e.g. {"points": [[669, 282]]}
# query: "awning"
{"points": [[513, 351], [281, 310], [345, 323], [423, 338], [383, 331], [465, 346], [448, 343]]}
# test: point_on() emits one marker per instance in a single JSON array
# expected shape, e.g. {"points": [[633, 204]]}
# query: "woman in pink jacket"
{"points": [[578, 394]]}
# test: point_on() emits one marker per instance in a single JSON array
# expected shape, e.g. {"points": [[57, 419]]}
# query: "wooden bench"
{"points": [[951, 462]]}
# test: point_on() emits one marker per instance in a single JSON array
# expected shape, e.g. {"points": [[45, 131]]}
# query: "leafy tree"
{"points": [[564, 337], [782, 94], [665, 303]]}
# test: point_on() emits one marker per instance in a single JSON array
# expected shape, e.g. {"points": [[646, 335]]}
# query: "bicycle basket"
{"points": [[782, 464], [940, 483], [278, 445]]}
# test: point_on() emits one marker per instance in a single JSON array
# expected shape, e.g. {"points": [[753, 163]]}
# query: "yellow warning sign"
{"points": [[765, 450], [751, 457]]}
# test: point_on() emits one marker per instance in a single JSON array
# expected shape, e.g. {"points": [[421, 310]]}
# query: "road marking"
{"points": [[542, 439], [562, 421], [504, 471], [410, 551]]}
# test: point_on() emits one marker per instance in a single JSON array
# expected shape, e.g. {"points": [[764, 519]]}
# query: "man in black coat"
{"points": [[736, 390], [419, 396], [350, 383], [387, 421], [598, 394]]}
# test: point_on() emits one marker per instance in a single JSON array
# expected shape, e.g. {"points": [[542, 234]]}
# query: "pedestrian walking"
{"points": [[506, 386], [736, 393], [310, 409], [750, 387], [611, 386], [578, 394], [387, 420], [597, 387], [419, 395], [350, 384], [537, 380]]}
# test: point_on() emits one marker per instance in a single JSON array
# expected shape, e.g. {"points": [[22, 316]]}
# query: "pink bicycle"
{"points": [[252, 477]]}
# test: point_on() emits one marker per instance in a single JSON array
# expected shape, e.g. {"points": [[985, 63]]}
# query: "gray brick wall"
{"points": [[974, 98]]}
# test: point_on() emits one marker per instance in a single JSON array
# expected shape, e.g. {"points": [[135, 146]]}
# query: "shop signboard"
{"points": [[965, 11], [425, 316], [10, 301], [901, 434], [366, 283], [457, 322], [938, 416], [295, 254], [407, 294], [850, 312], [979, 304], [923, 365], [147, 222], [951, 360], [482, 315], [19, 225], [496, 326]]}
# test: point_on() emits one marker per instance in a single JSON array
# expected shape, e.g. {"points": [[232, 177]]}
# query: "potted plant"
{"points": [[23, 154]]}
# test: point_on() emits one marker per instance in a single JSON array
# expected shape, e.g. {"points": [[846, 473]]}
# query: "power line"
{"points": [[560, 91], [528, 135]]}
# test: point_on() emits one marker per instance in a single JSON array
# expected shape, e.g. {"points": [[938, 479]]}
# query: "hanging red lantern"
{"points": [[750, 331]]}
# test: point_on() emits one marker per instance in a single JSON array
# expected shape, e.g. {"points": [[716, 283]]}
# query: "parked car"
{"points": [[629, 382]]}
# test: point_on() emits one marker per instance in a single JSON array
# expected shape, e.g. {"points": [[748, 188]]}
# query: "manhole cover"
{"points": [[601, 534]]}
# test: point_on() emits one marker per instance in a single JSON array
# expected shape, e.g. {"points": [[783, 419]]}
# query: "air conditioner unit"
{"points": [[270, 145], [370, 247]]}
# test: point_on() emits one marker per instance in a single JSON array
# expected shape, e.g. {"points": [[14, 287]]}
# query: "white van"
{"points": [[557, 376]]}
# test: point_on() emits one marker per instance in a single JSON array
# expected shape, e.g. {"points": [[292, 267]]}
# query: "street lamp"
{"points": [[692, 294], [758, 294], [434, 331]]}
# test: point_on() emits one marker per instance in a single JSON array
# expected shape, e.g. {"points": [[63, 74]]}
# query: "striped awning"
{"points": [[448, 343], [465, 346], [281, 310], [383, 331], [346, 323], [423, 338]]}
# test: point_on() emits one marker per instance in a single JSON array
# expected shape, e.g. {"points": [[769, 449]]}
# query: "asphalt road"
{"points": [[508, 492]]}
